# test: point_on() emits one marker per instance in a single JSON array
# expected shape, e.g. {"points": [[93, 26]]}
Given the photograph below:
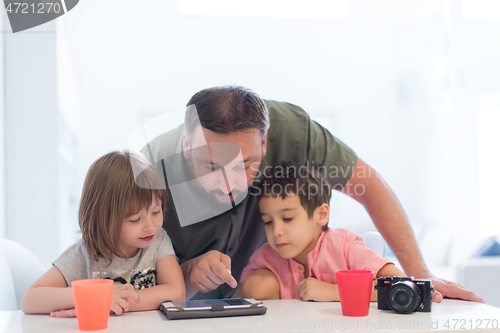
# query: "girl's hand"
{"points": [[119, 301], [122, 293], [311, 289], [63, 313]]}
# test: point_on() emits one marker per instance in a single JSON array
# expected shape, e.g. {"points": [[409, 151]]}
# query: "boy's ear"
{"points": [[323, 214]]}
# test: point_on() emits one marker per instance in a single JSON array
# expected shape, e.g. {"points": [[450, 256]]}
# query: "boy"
{"points": [[302, 254]]}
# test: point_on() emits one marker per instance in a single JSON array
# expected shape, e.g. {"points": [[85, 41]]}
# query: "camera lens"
{"points": [[404, 296]]}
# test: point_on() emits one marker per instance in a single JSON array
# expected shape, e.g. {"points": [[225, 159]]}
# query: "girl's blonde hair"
{"points": [[110, 194]]}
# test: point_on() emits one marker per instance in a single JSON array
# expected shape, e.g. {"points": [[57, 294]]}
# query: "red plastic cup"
{"points": [[92, 303], [355, 289]]}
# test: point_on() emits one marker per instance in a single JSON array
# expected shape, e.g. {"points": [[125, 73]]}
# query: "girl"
{"points": [[121, 219]]}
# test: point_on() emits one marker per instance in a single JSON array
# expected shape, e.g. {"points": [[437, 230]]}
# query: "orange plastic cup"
{"points": [[92, 303], [355, 289]]}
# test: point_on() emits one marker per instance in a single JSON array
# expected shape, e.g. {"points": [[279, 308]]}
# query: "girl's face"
{"points": [[138, 230]]}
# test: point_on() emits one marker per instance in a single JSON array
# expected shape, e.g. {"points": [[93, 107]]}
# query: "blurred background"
{"points": [[412, 86]]}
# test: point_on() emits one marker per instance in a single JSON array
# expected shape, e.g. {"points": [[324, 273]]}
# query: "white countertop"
{"points": [[282, 316]]}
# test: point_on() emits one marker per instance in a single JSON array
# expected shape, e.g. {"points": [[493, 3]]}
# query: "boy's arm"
{"points": [[48, 293], [260, 284], [386, 270], [170, 286], [312, 289], [390, 270]]}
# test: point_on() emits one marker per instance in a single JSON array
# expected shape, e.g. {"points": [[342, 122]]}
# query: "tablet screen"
{"points": [[209, 302], [237, 301]]}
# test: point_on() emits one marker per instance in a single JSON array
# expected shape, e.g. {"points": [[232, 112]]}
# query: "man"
{"points": [[230, 136]]}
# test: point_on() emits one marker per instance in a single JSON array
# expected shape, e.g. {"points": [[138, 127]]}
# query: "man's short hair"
{"points": [[287, 178], [226, 110]]}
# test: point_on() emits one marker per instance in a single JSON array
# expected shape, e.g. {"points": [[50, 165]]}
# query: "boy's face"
{"points": [[289, 230]]}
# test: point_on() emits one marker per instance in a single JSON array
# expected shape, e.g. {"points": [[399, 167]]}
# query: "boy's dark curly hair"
{"points": [[287, 178]]}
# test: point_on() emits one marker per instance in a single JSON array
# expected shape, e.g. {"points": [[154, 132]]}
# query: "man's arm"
{"points": [[390, 219]]}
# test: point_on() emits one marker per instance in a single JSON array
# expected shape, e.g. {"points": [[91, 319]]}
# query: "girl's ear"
{"points": [[322, 214]]}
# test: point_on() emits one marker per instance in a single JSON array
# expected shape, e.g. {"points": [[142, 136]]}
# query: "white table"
{"points": [[282, 316]]}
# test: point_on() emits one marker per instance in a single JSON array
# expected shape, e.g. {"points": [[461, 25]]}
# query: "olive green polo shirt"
{"points": [[239, 231]]}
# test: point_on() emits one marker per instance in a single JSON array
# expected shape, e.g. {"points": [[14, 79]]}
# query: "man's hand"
{"points": [[311, 289], [445, 288], [122, 293], [210, 270]]}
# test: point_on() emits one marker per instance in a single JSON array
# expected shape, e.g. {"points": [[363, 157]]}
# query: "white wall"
{"points": [[3, 231], [38, 147], [402, 91], [31, 145]]}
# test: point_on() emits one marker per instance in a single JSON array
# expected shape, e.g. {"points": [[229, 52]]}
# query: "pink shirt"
{"points": [[337, 249]]}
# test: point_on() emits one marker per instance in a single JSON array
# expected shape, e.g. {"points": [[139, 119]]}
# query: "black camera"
{"points": [[404, 294]]}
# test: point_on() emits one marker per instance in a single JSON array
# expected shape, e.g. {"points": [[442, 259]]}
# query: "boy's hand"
{"points": [[210, 270], [311, 289], [121, 295], [63, 313]]}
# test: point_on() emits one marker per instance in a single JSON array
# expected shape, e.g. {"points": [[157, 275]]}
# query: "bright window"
{"points": [[266, 8], [481, 9], [489, 163]]}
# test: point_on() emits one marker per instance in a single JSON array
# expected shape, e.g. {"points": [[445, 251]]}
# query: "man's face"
{"points": [[225, 165]]}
